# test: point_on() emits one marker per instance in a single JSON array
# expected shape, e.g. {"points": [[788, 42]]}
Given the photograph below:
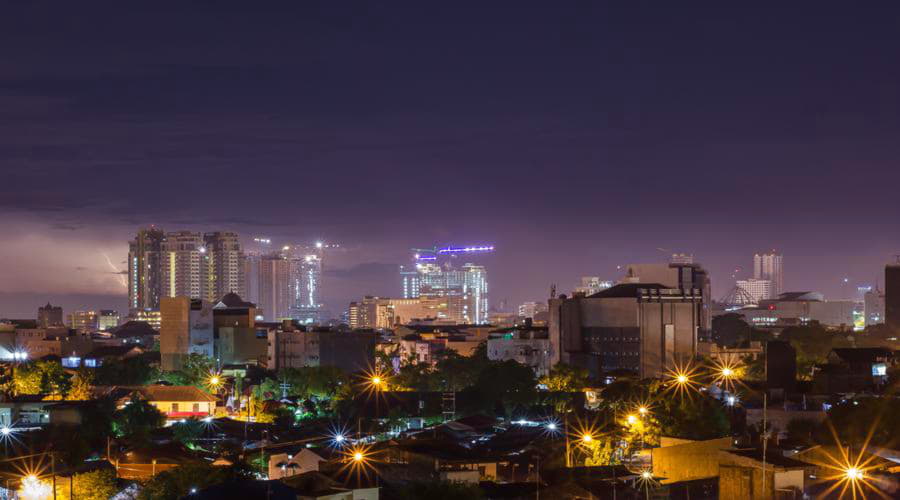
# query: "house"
{"points": [[293, 461], [854, 370], [174, 401], [318, 486]]}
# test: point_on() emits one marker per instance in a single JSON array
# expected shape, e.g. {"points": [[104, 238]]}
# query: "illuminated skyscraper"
{"points": [[306, 288], [274, 287], [143, 270], [892, 296], [222, 269], [769, 266], [179, 264]]}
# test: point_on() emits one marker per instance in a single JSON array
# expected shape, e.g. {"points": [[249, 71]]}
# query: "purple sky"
{"points": [[574, 137]]}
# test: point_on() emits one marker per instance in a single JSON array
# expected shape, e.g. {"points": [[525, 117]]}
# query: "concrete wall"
{"points": [[685, 462], [174, 331]]}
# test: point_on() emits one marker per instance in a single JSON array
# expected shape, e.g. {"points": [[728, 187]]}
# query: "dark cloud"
{"points": [[576, 136]]}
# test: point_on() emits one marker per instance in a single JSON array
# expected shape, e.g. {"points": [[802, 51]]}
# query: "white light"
{"points": [[551, 426], [318, 244], [202, 249], [339, 438], [5, 430]]}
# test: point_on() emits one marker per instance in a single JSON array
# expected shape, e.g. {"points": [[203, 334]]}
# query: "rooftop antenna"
{"points": [[553, 291]]}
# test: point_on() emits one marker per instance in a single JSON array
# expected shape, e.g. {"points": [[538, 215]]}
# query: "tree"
{"points": [[438, 490], [95, 485], [187, 432], [137, 419], [565, 378], [178, 482], [129, 371], [81, 386], [697, 417], [508, 383], [852, 421], [27, 379]]}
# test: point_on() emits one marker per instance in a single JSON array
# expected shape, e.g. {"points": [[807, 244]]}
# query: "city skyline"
{"points": [[817, 119]]}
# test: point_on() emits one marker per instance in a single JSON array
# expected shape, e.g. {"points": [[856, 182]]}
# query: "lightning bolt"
{"points": [[115, 269]]}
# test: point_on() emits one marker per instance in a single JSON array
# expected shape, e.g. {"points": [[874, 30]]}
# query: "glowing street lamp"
{"points": [[631, 419], [643, 410], [854, 474], [587, 438]]}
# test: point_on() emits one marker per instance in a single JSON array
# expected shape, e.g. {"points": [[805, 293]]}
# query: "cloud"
{"points": [[363, 271]]}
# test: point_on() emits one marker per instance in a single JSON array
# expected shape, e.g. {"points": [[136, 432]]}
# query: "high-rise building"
{"points": [[769, 266], [892, 296], [531, 309], [222, 267], [306, 288], [49, 316], [274, 287], [143, 270], [179, 264], [873, 307], [251, 275], [757, 289], [462, 292]]}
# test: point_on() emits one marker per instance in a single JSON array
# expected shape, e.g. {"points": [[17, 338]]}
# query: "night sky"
{"points": [[574, 136]]}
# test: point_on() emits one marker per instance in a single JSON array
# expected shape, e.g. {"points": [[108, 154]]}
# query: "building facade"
{"points": [[757, 289], [642, 328], [144, 285], [305, 288], [892, 296], [769, 266], [274, 287], [222, 266], [83, 321], [873, 307], [49, 315]]}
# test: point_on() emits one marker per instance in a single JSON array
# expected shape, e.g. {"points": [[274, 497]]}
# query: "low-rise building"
{"points": [[174, 401], [295, 346], [854, 370], [527, 345]]}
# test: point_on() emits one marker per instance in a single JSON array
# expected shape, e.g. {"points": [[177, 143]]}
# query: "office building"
{"points": [[291, 345], [801, 308], [873, 307], [769, 266], [274, 287], [222, 266], [250, 264], [305, 288], [532, 309], [179, 264], [462, 292], [643, 328], [143, 270], [591, 285], [757, 289], [682, 258], [49, 315], [83, 321], [239, 338], [150, 316], [691, 278], [892, 296], [385, 313], [107, 319], [186, 327]]}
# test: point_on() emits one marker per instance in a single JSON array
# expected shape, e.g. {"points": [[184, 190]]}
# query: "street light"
{"points": [[854, 474], [587, 438], [642, 410], [631, 419]]}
